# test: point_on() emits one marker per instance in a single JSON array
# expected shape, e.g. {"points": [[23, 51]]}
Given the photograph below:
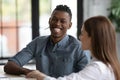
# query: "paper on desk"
{"points": [[20, 78], [4, 77]]}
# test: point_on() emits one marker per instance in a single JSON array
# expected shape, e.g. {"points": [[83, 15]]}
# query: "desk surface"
{"points": [[4, 76]]}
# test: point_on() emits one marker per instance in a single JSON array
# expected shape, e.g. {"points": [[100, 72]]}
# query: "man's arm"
{"points": [[12, 68]]}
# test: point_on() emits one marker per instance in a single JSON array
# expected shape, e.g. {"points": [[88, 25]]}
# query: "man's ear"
{"points": [[70, 24]]}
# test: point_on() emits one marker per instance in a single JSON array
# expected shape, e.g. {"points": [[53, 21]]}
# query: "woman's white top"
{"points": [[95, 70]]}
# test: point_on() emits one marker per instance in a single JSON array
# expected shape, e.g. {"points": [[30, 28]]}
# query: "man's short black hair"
{"points": [[64, 8]]}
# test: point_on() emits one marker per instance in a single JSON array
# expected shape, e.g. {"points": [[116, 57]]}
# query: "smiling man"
{"points": [[56, 55]]}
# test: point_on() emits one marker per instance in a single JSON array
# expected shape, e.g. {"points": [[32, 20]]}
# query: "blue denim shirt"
{"points": [[56, 60]]}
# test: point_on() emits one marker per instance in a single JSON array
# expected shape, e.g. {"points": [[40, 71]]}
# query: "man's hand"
{"points": [[12, 68]]}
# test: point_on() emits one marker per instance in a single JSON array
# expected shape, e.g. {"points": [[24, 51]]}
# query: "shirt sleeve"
{"points": [[90, 72], [81, 59], [25, 55]]}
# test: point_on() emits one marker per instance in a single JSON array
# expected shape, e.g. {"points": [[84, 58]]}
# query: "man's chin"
{"points": [[55, 36]]}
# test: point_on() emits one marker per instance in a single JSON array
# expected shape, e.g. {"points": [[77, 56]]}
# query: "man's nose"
{"points": [[58, 22]]}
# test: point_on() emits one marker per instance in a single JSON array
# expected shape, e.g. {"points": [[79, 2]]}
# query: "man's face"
{"points": [[59, 23]]}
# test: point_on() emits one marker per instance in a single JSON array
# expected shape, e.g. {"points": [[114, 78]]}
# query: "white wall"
{"points": [[118, 44], [96, 7]]}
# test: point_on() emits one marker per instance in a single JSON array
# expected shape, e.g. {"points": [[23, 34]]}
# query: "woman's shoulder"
{"points": [[100, 64], [105, 70]]}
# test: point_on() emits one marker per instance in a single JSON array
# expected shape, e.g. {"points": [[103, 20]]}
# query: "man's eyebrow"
{"points": [[63, 18]]}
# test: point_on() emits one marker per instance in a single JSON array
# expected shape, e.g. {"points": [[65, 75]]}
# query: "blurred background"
{"points": [[23, 20]]}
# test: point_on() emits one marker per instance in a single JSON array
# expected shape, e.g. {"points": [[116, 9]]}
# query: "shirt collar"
{"points": [[61, 42], [94, 59]]}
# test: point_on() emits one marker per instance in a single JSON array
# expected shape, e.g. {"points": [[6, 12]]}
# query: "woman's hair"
{"points": [[103, 40]]}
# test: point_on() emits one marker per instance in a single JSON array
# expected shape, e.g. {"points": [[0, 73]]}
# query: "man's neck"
{"points": [[56, 39]]}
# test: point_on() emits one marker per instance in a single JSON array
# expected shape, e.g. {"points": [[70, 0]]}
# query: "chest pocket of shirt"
{"points": [[64, 65]]}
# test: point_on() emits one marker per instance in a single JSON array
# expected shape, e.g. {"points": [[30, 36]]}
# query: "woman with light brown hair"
{"points": [[97, 35]]}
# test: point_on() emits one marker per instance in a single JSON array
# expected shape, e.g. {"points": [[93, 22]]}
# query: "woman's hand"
{"points": [[36, 74]]}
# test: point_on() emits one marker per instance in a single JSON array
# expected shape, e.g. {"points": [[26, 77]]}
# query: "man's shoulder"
{"points": [[42, 37], [73, 40]]}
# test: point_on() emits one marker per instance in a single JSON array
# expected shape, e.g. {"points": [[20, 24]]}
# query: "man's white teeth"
{"points": [[57, 29]]}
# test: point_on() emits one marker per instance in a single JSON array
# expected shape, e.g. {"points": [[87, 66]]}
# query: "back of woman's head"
{"points": [[103, 40], [103, 37]]}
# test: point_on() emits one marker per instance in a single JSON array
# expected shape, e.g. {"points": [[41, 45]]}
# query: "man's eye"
{"points": [[54, 19], [63, 21]]}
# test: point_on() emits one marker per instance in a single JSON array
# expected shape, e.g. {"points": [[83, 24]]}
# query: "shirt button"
{"points": [[40, 55], [53, 51], [52, 63]]}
